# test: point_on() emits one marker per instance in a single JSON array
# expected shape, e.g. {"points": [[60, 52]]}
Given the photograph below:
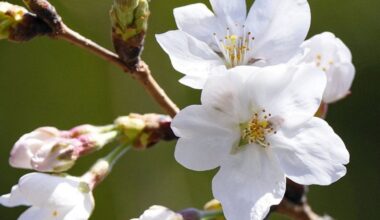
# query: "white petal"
{"points": [[15, 198], [223, 91], [230, 12], [43, 214], [48, 190], [198, 21], [196, 82], [311, 154], [248, 183], [206, 137], [339, 81], [290, 93], [279, 28], [187, 54], [159, 213], [344, 52], [83, 210]]}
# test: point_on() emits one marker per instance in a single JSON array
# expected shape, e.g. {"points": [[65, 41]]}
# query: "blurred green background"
{"points": [[49, 82]]}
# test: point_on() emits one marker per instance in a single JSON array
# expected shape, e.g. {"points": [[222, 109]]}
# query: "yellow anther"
{"points": [[234, 47], [55, 213], [233, 38], [256, 130]]}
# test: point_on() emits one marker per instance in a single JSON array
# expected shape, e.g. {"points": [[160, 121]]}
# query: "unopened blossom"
{"points": [[51, 197], [157, 212], [48, 149], [271, 33], [332, 56], [258, 126], [10, 16]]}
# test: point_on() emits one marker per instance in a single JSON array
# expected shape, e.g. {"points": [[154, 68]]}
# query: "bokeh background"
{"points": [[49, 82]]}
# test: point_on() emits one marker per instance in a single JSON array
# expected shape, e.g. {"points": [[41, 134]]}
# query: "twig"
{"points": [[142, 73]]}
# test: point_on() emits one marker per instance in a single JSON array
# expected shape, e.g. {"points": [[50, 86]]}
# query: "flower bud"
{"points": [[10, 16], [56, 155], [48, 149], [129, 25], [213, 205], [146, 130], [130, 126], [17, 24], [46, 11]]}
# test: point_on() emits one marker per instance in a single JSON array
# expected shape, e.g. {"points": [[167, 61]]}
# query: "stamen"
{"points": [[55, 213], [234, 48], [322, 63], [256, 130]]}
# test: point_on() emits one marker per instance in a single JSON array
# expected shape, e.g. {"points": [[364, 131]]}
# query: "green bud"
{"points": [[144, 131], [131, 127], [17, 24], [129, 25], [10, 16]]}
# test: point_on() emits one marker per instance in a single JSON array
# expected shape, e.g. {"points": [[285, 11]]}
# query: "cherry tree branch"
{"points": [[140, 70], [141, 73]]}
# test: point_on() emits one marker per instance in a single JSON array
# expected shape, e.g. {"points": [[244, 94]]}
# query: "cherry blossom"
{"points": [[258, 126], [271, 33]]}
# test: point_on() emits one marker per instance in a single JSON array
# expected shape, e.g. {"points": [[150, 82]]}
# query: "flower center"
{"points": [[322, 64], [235, 47], [256, 130]]}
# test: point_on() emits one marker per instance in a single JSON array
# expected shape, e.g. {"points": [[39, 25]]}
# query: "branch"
{"points": [[141, 72]]}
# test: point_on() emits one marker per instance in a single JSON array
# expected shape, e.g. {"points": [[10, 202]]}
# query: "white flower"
{"points": [[331, 55], [51, 197], [159, 213], [271, 33], [257, 125]]}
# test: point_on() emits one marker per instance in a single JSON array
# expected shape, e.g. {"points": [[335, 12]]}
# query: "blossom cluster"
{"points": [[262, 84], [265, 89]]}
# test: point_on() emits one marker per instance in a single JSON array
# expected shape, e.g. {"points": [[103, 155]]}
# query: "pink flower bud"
{"points": [[48, 149], [29, 144]]}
